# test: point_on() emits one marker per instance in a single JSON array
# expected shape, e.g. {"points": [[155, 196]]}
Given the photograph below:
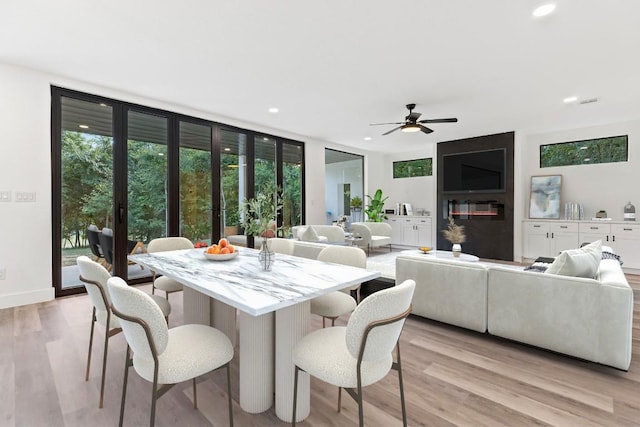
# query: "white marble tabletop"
{"points": [[241, 282]]}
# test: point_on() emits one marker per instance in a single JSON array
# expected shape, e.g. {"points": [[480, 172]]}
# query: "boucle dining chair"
{"points": [[164, 356], [361, 353], [163, 244], [335, 304], [95, 276], [281, 246]]}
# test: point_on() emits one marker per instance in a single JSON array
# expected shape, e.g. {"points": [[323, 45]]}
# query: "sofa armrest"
{"points": [[362, 230]]}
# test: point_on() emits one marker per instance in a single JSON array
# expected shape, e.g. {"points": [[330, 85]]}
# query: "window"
{"points": [[591, 151], [411, 168]]}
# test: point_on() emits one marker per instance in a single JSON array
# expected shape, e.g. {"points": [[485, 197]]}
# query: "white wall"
{"points": [[420, 191], [607, 186]]}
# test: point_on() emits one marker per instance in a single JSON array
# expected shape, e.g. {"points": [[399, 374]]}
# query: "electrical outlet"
{"points": [[5, 196], [25, 196], [3, 273]]}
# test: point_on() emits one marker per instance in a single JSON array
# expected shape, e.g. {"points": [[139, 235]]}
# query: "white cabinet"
{"points": [[626, 243], [410, 231], [396, 230], [590, 232], [549, 238]]}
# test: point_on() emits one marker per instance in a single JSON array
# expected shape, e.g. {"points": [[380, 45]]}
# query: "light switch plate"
{"points": [[3, 273], [5, 196]]}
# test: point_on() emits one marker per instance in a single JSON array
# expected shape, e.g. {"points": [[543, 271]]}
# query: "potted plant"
{"points": [[454, 233], [260, 219], [356, 203], [375, 210]]}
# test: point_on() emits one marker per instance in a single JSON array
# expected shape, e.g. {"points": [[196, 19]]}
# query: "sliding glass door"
{"points": [[140, 173]]}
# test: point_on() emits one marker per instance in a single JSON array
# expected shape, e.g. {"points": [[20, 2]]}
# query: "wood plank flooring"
{"points": [[453, 377]]}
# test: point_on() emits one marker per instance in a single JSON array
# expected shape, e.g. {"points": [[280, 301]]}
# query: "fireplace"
{"points": [[480, 210]]}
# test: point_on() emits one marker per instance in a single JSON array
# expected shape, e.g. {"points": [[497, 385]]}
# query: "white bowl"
{"points": [[220, 257]]}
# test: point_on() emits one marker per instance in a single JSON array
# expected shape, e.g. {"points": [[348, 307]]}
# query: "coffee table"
{"points": [[437, 253]]}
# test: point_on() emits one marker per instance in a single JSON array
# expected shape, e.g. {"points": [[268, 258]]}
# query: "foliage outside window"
{"points": [[602, 150], [411, 168]]}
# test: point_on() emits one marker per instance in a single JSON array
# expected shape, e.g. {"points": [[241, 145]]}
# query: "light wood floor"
{"points": [[453, 377]]}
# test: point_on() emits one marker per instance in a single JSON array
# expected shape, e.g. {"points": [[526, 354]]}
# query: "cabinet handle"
{"points": [[552, 235], [614, 238], [564, 226], [547, 235], [536, 226], [607, 238], [594, 228], [628, 229]]}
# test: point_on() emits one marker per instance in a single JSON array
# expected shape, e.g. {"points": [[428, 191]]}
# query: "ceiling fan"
{"points": [[412, 124]]}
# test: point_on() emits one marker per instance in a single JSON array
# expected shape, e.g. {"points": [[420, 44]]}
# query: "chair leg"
{"points": [[229, 394], [195, 395], [154, 398], [127, 363], [93, 324], [360, 408], [104, 363], [295, 397], [339, 399], [399, 365]]}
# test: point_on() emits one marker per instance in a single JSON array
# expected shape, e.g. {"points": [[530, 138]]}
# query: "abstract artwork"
{"points": [[545, 196]]}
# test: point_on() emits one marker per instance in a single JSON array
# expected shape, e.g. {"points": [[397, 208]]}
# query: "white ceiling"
{"points": [[334, 66]]}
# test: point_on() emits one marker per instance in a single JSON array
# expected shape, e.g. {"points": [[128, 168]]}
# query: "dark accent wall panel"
{"points": [[486, 237]]}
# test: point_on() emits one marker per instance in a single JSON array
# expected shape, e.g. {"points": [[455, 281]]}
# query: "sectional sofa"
{"points": [[589, 318]]}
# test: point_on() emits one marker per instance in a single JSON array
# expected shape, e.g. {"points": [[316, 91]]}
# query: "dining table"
{"points": [[270, 310]]}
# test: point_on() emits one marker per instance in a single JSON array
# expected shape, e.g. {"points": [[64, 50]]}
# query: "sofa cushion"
{"points": [[309, 235], [581, 262]]}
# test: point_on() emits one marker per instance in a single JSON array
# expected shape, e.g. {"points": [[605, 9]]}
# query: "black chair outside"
{"points": [[106, 244], [93, 237]]}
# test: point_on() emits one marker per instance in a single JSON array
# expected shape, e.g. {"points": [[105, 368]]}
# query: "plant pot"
{"points": [[456, 249]]}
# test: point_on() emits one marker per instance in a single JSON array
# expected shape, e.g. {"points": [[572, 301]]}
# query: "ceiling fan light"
{"points": [[410, 127]]}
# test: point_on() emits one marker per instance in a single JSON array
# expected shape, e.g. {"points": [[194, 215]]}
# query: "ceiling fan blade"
{"points": [[425, 129], [392, 130], [451, 120], [378, 124], [413, 116]]}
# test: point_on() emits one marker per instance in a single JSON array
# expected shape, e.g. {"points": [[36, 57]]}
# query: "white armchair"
{"points": [[374, 234]]}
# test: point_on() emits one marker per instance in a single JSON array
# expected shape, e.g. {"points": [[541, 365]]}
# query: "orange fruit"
{"points": [[231, 249], [223, 243], [224, 250], [214, 249]]}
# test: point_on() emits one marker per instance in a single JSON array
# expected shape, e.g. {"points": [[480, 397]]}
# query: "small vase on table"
{"points": [[266, 256], [456, 249]]}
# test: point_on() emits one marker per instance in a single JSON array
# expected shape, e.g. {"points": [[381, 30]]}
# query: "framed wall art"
{"points": [[544, 201]]}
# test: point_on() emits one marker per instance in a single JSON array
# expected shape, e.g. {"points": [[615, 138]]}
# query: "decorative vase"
{"points": [[266, 257], [456, 249]]}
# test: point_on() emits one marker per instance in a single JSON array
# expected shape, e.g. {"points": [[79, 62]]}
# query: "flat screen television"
{"points": [[474, 172]]}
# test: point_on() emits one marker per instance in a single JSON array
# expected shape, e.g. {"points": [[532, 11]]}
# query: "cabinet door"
{"points": [[563, 236], [536, 239], [626, 243], [423, 232], [396, 231], [590, 232], [409, 237]]}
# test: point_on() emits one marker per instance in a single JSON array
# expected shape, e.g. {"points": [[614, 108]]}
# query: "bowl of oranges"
{"points": [[221, 251]]}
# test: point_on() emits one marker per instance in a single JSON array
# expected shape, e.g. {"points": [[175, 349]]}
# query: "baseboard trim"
{"points": [[26, 298]]}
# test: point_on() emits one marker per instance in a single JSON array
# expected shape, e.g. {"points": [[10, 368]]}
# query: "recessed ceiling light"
{"points": [[273, 110], [367, 138], [544, 10], [83, 126], [570, 99]]}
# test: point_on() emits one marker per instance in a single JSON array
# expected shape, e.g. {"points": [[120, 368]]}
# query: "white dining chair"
{"points": [[94, 277], [281, 246], [361, 353], [162, 244], [164, 356], [335, 304]]}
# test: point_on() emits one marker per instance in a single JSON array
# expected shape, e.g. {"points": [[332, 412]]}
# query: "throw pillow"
{"points": [[583, 262], [309, 235], [107, 231]]}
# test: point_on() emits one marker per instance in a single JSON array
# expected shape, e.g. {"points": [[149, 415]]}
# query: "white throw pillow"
{"points": [[583, 262], [309, 235]]}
